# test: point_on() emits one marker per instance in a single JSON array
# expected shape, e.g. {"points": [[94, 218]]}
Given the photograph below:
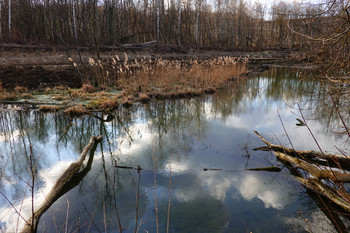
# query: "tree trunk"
{"points": [[179, 23], [10, 29], [74, 23], [0, 21]]}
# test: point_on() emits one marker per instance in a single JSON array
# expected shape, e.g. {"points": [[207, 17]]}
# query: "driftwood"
{"points": [[68, 180], [295, 159]]}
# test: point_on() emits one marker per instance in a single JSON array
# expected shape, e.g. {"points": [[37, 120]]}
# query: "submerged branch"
{"points": [[68, 180], [325, 190]]}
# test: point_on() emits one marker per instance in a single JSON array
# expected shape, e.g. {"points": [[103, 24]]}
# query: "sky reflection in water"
{"points": [[184, 136]]}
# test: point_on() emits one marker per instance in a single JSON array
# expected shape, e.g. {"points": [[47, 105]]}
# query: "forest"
{"points": [[230, 24]]}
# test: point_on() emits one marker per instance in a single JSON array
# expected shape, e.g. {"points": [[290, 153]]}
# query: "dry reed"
{"points": [[165, 76]]}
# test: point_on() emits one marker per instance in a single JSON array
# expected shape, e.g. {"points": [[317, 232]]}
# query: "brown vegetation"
{"points": [[88, 88], [109, 104], [6, 96], [144, 98], [20, 89], [76, 111], [49, 108], [139, 81]]}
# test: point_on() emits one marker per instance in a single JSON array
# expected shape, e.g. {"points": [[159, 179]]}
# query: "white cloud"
{"points": [[271, 194], [9, 216]]}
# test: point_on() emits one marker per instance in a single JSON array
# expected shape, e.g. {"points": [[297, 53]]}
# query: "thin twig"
{"points": [[67, 216], [169, 201], [115, 201]]}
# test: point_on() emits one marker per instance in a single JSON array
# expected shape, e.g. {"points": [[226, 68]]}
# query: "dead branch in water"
{"points": [[309, 161], [64, 183], [317, 172], [309, 154]]}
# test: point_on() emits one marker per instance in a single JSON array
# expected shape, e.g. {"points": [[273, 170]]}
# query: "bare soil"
{"points": [[40, 66]]}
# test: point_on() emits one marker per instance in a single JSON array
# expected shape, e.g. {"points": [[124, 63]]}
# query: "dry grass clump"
{"points": [[88, 88], [77, 94], [109, 104], [144, 98], [26, 96], [48, 90], [127, 103], [58, 88], [76, 111], [60, 97], [20, 89], [7, 96], [49, 108]]}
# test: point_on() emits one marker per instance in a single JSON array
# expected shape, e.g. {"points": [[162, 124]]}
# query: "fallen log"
{"points": [[68, 180]]}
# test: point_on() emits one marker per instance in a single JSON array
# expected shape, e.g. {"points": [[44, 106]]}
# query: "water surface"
{"points": [[173, 141]]}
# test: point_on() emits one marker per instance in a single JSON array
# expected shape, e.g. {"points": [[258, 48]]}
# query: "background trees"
{"points": [[229, 24]]}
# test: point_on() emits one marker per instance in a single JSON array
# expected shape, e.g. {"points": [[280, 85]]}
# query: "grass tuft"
{"points": [[49, 108], [88, 88], [109, 104], [76, 111], [144, 98], [127, 103]]}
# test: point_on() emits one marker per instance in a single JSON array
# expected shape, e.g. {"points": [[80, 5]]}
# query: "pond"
{"points": [[193, 153]]}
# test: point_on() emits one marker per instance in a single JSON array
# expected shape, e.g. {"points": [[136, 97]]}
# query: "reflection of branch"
{"points": [[115, 202], [68, 180], [126, 130], [110, 117], [169, 200], [19, 214]]}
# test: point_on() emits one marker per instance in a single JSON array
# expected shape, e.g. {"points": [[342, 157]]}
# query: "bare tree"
{"points": [[0, 19], [9, 18]]}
